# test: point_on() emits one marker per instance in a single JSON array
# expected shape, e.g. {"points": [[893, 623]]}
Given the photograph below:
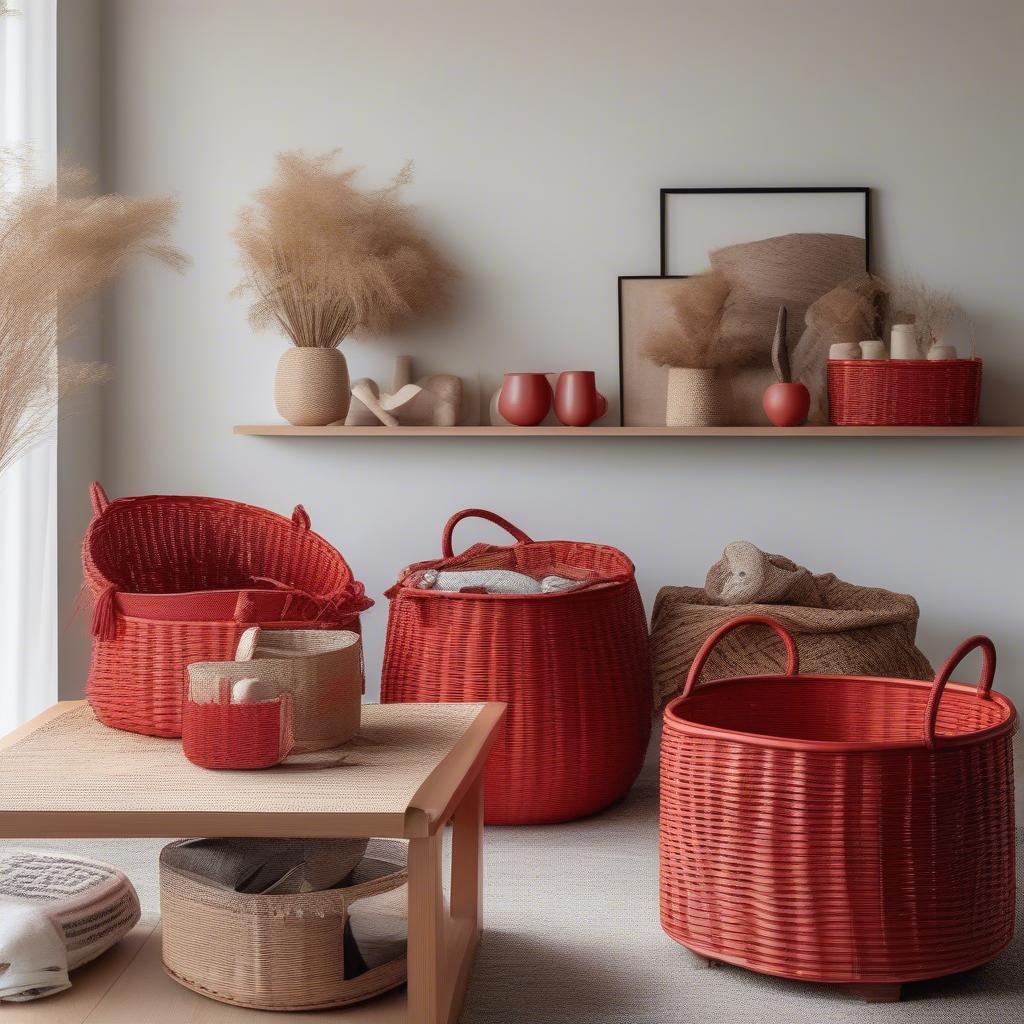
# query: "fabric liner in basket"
{"points": [[178, 579], [572, 665], [322, 670], [293, 951], [58, 911]]}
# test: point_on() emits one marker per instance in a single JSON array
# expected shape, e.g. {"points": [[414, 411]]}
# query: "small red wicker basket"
{"points": [[572, 666], [219, 734], [178, 579], [839, 829], [904, 392]]}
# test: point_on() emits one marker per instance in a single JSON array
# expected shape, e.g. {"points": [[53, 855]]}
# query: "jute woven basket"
{"points": [[322, 670], [273, 952]]}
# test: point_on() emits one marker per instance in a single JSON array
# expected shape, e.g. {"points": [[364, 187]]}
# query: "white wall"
{"points": [[542, 132]]}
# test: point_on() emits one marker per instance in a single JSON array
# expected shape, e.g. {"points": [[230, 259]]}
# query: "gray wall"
{"points": [[542, 132]]}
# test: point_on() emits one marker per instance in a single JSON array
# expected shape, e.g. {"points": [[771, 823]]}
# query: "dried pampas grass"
{"points": [[325, 259], [930, 311], [689, 337], [58, 246]]}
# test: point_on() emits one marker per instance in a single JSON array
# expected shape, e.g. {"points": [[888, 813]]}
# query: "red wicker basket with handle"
{"points": [[178, 579], [572, 666], [904, 392], [219, 734], [839, 828]]}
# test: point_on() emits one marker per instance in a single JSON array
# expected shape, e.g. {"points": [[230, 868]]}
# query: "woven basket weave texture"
{"points": [[573, 668], [839, 829], [178, 580]]}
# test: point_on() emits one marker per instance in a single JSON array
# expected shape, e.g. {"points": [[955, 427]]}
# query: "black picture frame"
{"points": [[622, 368], [796, 190]]}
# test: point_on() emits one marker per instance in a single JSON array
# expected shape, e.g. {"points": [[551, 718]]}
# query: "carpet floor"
{"points": [[572, 934]]}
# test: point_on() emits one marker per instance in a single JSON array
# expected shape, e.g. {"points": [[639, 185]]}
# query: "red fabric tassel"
{"points": [[104, 621]]}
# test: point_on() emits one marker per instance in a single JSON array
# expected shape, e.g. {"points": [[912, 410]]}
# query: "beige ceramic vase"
{"points": [[311, 386], [693, 398]]}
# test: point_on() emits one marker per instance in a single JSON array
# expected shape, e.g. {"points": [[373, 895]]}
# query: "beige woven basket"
{"points": [[274, 952], [321, 668]]}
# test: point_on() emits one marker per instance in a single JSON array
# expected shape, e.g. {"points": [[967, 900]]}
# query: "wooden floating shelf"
{"points": [[284, 430]]}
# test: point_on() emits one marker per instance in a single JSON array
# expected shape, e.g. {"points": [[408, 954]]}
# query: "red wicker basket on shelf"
{"points": [[179, 579], [572, 666], [219, 734], [904, 392], [839, 829]]}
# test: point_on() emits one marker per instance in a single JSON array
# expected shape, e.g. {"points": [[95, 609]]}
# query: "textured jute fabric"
{"points": [[693, 398], [321, 668], [854, 631], [378, 771], [274, 951], [311, 386]]}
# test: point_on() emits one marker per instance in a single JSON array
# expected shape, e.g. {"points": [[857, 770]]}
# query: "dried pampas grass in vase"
{"points": [[323, 260], [687, 346], [58, 246]]}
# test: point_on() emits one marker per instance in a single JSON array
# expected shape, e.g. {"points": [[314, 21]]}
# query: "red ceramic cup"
{"points": [[577, 401], [525, 398]]}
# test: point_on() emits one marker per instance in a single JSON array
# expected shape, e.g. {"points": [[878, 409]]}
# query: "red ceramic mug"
{"points": [[577, 401], [525, 398]]}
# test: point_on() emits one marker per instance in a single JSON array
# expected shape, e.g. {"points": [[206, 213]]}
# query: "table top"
{"points": [[66, 775]]}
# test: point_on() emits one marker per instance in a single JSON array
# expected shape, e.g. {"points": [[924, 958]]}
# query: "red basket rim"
{"points": [[900, 362], [675, 721]]}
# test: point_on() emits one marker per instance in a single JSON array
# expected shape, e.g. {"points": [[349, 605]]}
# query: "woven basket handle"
{"points": [[98, 497], [988, 671], [478, 513], [300, 518], [793, 658]]}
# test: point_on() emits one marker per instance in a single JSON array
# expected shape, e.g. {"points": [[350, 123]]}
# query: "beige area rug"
{"points": [[572, 934]]}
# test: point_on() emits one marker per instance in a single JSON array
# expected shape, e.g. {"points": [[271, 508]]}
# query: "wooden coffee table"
{"points": [[411, 769]]}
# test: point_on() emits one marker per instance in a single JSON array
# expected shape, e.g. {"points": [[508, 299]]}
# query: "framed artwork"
{"points": [[774, 246], [645, 303], [696, 221]]}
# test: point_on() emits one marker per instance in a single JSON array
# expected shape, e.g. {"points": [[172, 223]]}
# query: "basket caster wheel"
{"points": [[876, 993]]}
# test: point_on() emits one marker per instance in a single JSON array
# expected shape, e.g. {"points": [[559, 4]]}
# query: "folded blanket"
{"points": [[493, 581], [33, 955]]}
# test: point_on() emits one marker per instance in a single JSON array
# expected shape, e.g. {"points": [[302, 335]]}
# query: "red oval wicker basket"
{"points": [[839, 829], [179, 579], [573, 668], [904, 392]]}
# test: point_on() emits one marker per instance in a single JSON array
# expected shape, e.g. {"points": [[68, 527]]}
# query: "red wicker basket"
{"points": [[179, 579], [573, 668], [904, 392], [839, 829], [220, 734]]}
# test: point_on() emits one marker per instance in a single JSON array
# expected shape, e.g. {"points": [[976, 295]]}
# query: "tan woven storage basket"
{"points": [[321, 668], [273, 952]]}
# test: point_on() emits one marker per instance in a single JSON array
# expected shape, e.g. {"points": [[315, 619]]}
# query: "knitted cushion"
{"points": [[89, 905]]}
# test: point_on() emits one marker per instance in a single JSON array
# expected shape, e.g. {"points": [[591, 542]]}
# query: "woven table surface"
{"points": [[68, 774]]}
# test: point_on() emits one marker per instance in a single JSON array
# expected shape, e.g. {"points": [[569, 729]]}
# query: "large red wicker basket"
{"points": [[179, 579], [573, 668], [839, 829], [904, 392]]}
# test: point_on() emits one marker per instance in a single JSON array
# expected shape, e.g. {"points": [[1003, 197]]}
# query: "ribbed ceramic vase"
{"points": [[693, 398], [311, 387]]}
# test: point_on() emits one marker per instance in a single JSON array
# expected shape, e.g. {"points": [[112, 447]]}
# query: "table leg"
{"points": [[441, 945]]}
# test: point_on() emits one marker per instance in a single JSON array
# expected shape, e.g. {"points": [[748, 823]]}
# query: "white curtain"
{"points": [[28, 490]]}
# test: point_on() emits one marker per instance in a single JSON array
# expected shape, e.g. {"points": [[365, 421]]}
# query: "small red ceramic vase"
{"points": [[525, 398], [786, 405], [577, 401]]}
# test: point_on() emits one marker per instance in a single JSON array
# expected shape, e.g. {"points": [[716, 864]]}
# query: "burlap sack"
{"points": [[856, 631]]}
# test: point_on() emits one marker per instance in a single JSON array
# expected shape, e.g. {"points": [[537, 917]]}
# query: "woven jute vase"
{"points": [[311, 388], [693, 398]]}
